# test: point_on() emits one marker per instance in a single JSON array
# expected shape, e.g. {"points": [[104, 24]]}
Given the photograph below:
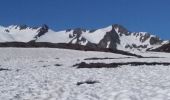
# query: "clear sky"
{"points": [[136, 15]]}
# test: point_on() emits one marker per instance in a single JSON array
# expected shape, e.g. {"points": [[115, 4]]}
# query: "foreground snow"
{"points": [[33, 75]]}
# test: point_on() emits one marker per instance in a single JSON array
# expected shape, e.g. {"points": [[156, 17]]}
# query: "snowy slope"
{"points": [[16, 33], [4, 36], [22, 35], [55, 37], [72, 36], [96, 36], [33, 75]]}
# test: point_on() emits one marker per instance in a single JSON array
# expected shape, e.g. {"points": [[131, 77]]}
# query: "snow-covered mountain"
{"points": [[22, 33], [114, 37]]}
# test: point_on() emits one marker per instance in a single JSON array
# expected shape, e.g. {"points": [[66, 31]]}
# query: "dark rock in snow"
{"points": [[87, 82], [115, 65], [163, 48], [4, 69], [42, 31]]}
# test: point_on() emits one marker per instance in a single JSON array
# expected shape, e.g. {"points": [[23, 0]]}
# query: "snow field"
{"points": [[32, 75]]}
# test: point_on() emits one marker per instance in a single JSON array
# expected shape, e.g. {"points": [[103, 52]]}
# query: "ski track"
{"points": [[34, 76]]}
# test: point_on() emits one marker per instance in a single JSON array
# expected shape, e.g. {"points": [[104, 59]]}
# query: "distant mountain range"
{"points": [[114, 37]]}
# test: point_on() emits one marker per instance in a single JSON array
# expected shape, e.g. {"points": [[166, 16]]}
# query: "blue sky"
{"points": [[136, 15]]}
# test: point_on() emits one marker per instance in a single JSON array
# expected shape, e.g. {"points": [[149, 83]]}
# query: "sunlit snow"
{"points": [[33, 75]]}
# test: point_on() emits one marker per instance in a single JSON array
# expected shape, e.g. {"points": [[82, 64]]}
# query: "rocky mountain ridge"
{"points": [[114, 37]]}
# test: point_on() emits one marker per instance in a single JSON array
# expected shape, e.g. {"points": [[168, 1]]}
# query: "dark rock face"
{"points": [[92, 45], [145, 37], [122, 30], [76, 36], [163, 48], [78, 39], [155, 40], [112, 38], [77, 33], [42, 31], [7, 30]]}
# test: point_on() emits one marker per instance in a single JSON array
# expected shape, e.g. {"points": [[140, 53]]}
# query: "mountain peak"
{"points": [[45, 27], [120, 29], [42, 30]]}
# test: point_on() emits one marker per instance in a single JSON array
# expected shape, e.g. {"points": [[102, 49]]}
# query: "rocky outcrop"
{"points": [[110, 40], [155, 40], [121, 30], [42, 31], [76, 36], [163, 48]]}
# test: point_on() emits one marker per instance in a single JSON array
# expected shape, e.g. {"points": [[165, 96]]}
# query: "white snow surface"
{"points": [[4, 36], [63, 36], [96, 36], [15, 34], [32, 75], [55, 37]]}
